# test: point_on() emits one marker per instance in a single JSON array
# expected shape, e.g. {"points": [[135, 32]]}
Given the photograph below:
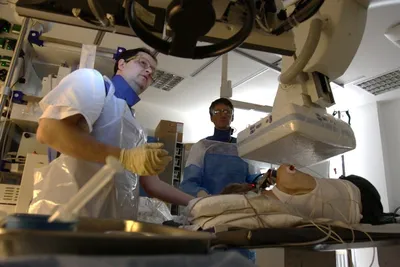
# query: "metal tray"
{"points": [[105, 237]]}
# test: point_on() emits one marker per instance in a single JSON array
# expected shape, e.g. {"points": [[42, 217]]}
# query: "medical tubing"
{"points": [[88, 191], [307, 52]]}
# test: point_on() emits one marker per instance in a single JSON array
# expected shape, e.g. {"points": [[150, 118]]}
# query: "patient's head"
{"points": [[289, 171], [292, 181]]}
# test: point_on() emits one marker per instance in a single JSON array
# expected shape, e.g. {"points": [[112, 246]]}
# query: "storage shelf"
{"points": [[9, 35], [5, 52]]}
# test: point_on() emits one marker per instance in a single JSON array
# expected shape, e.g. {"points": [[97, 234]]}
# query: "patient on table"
{"points": [[296, 198]]}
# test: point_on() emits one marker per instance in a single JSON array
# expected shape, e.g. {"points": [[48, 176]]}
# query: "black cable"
{"points": [[258, 176], [303, 11], [394, 214], [98, 12], [396, 210]]}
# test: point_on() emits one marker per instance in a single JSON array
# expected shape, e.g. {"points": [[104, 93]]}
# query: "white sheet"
{"points": [[250, 212]]}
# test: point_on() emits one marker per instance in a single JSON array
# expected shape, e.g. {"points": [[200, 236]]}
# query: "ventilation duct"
{"points": [[381, 84], [166, 81]]}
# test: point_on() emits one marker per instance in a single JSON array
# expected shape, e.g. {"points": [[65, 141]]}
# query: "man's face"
{"points": [[221, 116], [138, 71]]}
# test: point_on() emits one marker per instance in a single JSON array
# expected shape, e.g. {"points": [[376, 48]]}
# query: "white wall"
{"points": [[149, 115], [390, 131], [367, 159], [197, 124]]}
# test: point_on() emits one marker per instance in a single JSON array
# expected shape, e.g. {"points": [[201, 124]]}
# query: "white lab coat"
{"points": [[109, 120]]}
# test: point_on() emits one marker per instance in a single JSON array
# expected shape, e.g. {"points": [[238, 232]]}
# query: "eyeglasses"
{"points": [[145, 64], [219, 111]]}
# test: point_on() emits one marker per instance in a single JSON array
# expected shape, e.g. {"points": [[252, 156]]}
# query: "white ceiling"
{"points": [[376, 55]]}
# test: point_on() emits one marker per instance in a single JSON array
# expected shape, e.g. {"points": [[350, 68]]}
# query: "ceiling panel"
{"points": [[376, 54], [260, 90], [268, 57], [199, 91]]}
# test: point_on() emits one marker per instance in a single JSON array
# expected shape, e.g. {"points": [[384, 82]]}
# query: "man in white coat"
{"points": [[87, 118]]}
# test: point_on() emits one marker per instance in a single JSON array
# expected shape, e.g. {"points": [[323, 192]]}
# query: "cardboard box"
{"points": [[170, 127]]}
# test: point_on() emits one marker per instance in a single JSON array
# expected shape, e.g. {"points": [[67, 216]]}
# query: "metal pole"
{"points": [[250, 77], [204, 66], [226, 85], [6, 89], [224, 74], [262, 62], [343, 165], [349, 258]]}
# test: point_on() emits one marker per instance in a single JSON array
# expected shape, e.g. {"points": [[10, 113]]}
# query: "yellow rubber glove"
{"points": [[145, 160]]}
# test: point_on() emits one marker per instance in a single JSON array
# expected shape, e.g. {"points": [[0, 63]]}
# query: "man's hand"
{"points": [[145, 160], [156, 188]]}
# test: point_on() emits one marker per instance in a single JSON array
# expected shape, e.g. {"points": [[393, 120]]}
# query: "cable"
{"points": [[304, 10], [396, 210], [99, 13]]}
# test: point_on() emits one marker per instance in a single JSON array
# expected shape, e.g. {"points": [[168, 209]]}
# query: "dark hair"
{"points": [[131, 53], [223, 101]]}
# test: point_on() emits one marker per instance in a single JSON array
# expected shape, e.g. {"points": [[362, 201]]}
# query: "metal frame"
{"points": [[7, 91], [226, 90]]}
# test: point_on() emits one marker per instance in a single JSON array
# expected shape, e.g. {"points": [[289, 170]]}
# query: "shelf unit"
{"points": [[11, 171], [174, 170], [4, 52]]}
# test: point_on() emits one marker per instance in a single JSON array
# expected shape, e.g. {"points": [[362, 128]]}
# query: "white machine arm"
{"points": [[299, 131]]}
